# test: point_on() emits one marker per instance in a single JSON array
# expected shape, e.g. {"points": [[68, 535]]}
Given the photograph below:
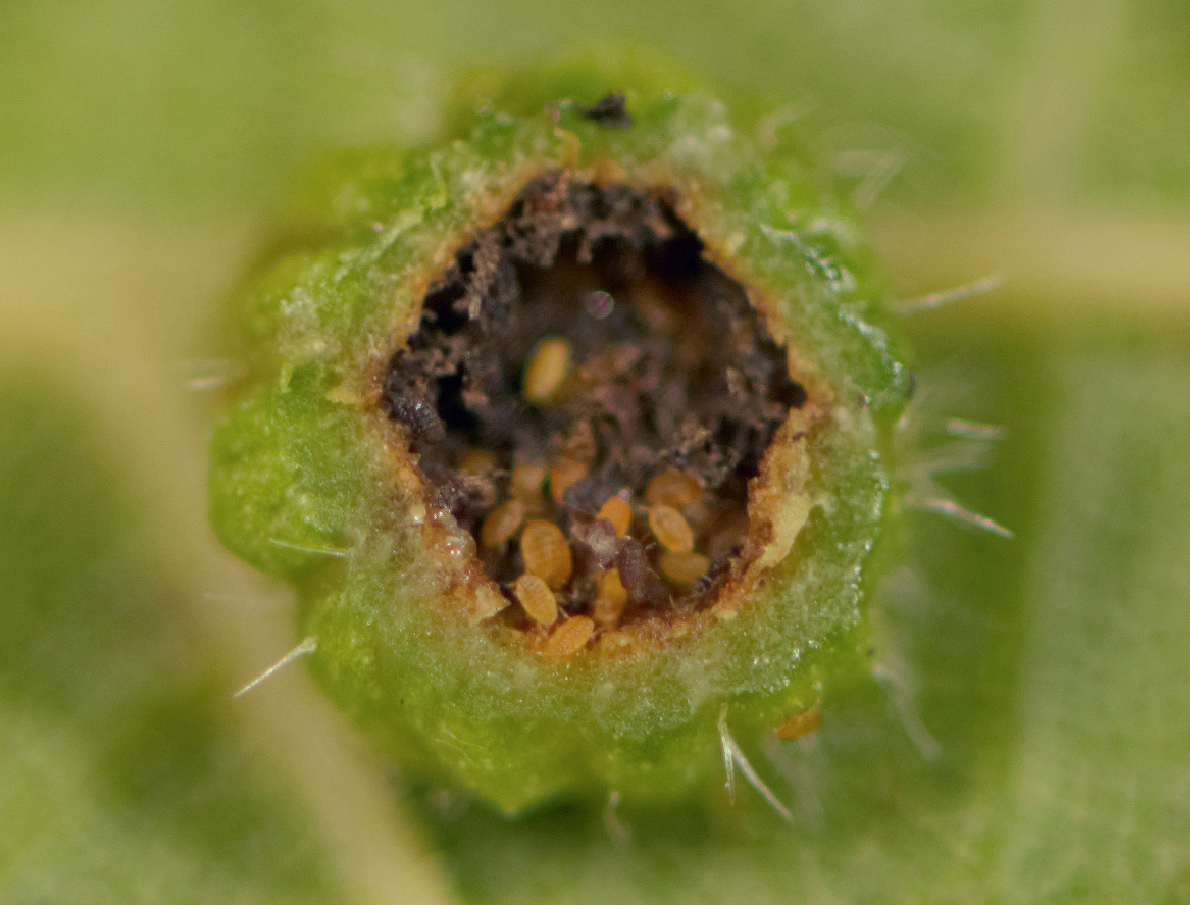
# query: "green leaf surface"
{"points": [[123, 778], [1043, 141]]}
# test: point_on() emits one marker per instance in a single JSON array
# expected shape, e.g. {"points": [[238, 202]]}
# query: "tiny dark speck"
{"points": [[609, 112]]}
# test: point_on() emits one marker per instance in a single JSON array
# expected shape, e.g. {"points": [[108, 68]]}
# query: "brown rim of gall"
{"points": [[743, 525]]}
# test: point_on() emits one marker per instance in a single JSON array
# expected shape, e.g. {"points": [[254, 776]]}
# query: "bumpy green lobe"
{"points": [[302, 486]]}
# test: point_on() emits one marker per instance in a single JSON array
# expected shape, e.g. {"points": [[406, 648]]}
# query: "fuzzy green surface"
{"points": [[293, 471], [135, 136]]}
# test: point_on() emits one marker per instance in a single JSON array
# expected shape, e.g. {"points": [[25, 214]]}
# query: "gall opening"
{"points": [[590, 397]]}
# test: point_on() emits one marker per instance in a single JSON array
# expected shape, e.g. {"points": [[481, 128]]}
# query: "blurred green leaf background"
{"points": [[142, 147]]}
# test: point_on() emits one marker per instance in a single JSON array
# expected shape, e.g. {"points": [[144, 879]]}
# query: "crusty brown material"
{"points": [[671, 374]]}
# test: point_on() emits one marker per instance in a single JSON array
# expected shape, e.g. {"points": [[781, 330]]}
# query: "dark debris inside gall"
{"points": [[609, 111], [584, 349]]}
